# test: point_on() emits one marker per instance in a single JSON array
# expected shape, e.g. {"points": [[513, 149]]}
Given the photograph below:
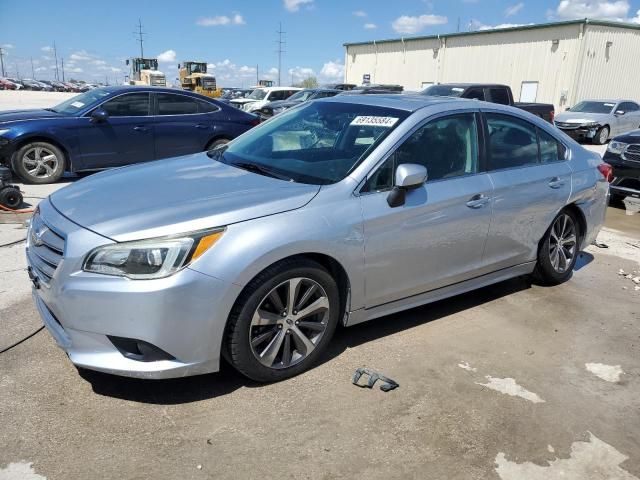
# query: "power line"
{"points": [[280, 51]]}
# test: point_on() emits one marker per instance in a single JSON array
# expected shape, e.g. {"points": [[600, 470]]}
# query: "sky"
{"points": [[236, 37]]}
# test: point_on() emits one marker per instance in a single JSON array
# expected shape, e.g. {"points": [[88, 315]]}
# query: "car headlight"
{"points": [[150, 259], [4, 130], [616, 147], [591, 125]]}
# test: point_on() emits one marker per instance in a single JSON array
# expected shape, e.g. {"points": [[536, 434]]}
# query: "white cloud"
{"points": [[360, 13], [294, 5], [81, 56], [370, 26], [98, 63], [47, 49], [7, 46], [332, 71], [221, 20], [409, 24], [40, 69], [478, 25], [602, 9], [75, 70], [513, 9], [298, 74], [167, 56], [636, 19]]}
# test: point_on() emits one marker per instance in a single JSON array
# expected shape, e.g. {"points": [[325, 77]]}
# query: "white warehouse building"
{"points": [[559, 63]]}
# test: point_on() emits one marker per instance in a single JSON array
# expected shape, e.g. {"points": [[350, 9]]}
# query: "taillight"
{"points": [[552, 114], [606, 170]]}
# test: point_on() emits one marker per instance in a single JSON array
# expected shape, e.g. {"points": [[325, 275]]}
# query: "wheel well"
{"points": [[216, 138], [23, 142], [582, 221]]}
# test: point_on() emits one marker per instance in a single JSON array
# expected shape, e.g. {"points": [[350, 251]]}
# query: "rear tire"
{"points": [[216, 144], [39, 163], [283, 321], [602, 135], [558, 250]]}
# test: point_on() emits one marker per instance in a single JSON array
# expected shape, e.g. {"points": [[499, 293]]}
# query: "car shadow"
{"points": [[202, 387]]}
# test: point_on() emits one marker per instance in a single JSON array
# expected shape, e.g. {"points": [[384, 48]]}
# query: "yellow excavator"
{"points": [[144, 71], [194, 77]]}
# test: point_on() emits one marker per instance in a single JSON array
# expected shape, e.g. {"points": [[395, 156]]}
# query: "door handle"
{"points": [[478, 201], [202, 125], [556, 182], [140, 128]]}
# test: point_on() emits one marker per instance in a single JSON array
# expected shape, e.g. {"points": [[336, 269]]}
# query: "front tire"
{"points": [[39, 163], [283, 321], [559, 250], [216, 143], [602, 135]]}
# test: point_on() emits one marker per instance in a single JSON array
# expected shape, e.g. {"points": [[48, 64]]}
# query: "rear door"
{"points": [[126, 137], [532, 182], [183, 124], [631, 118]]}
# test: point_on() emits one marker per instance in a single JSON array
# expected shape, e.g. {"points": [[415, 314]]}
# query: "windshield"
{"points": [[301, 96], [258, 94], [79, 102], [593, 107], [317, 143], [443, 91]]}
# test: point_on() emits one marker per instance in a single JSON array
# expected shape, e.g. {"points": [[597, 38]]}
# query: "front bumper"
{"points": [[184, 315], [580, 133], [626, 175], [7, 148]]}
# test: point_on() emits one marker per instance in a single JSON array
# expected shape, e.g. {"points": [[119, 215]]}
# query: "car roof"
{"points": [[399, 101], [148, 88], [607, 100]]}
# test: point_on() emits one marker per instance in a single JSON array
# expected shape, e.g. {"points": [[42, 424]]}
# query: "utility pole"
{"points": [[257, 75], [106, 80], [280, 51], [62, 69], [17, 71], [55, 54], [33, 73], [2, 60], [458, 30], [140, 35]]}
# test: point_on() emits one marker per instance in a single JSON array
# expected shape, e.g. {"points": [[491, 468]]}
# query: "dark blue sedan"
{"points": [[114, 126]]}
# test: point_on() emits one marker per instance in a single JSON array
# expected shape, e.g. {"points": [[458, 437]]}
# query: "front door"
{"points": [[532, 182], [126, 137], [438, 236]]}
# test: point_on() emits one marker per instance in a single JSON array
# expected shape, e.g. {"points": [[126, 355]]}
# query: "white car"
{"points": [[263, 95]]}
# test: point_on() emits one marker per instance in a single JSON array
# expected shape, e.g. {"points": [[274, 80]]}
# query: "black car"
{"points": [[340, 86], [623, 154], [374, 89], [279, 106]]}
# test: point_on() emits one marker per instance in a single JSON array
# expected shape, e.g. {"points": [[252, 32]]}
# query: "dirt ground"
{"points": [[511, 382]]}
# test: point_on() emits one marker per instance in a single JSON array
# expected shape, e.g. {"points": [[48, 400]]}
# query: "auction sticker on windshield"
{"points": [[373, 121], [77, 104]]}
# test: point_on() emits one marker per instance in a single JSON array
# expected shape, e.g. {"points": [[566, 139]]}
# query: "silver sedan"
{"points": [[338, 211]]}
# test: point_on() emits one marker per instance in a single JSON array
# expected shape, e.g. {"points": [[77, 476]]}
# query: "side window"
{"points": [[169, 104], [633, 107], [475, 93], [512, 142], [206, 107], [447, 147], [499, 95], [551, 150], [276, 95], [128, 105], [627, 107]]}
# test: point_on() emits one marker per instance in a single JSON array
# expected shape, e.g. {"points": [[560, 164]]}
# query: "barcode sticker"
{"points": [[372, 121]]}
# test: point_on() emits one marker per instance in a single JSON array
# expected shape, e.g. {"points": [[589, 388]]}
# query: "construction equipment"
{"points": [[194, 77], [144, 71]]}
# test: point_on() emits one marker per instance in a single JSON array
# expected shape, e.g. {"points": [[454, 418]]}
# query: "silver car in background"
{"points": [[334, 212], [599, 120]]}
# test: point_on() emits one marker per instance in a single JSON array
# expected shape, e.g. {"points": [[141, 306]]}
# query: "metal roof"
{"points": [[585, 21]]}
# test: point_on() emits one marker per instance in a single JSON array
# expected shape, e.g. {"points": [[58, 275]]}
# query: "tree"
{"points": [[309, 82]]}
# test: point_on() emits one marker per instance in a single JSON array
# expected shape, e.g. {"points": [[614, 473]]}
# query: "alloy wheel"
{"points": [[562, 243], [40, 162], [289, 323]]}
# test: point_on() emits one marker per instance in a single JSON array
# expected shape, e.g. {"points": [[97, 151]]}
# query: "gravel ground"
{"points": [[511, 382]]}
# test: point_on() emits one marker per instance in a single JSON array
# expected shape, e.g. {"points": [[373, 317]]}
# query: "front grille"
{"points": [[566, 125], [158, 82], [632, 153], [45, 248]]}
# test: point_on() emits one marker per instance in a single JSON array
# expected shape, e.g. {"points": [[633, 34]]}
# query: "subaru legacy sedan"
{"points": [[337, 211], [112, 127]]}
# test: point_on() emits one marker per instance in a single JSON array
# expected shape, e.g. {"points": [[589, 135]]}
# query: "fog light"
{"points": [[139, 350]]}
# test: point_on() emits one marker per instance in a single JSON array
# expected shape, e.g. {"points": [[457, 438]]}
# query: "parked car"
{"points": [[329, 213], [6, 84], [623, 154], [494, 93], [340, 86], [29, 84], [260, 96], [114, 126], [17, 82], [374, 89], [599, 120], [53, 85], [279, 106], [72, 87]]}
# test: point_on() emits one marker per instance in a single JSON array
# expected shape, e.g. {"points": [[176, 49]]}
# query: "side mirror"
{"points": [[408, 176], [567, 109], [178, 66], [620, 112], [99, 115]]}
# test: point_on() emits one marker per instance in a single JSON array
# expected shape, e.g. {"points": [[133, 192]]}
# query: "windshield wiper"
{"points": [[261, 169], [51, 110]]}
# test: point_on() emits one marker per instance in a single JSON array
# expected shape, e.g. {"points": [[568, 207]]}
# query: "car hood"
{"points": [[33, 114], [243, 100], [283, 103], [580, 118], [174, 196], [629, 137]]}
